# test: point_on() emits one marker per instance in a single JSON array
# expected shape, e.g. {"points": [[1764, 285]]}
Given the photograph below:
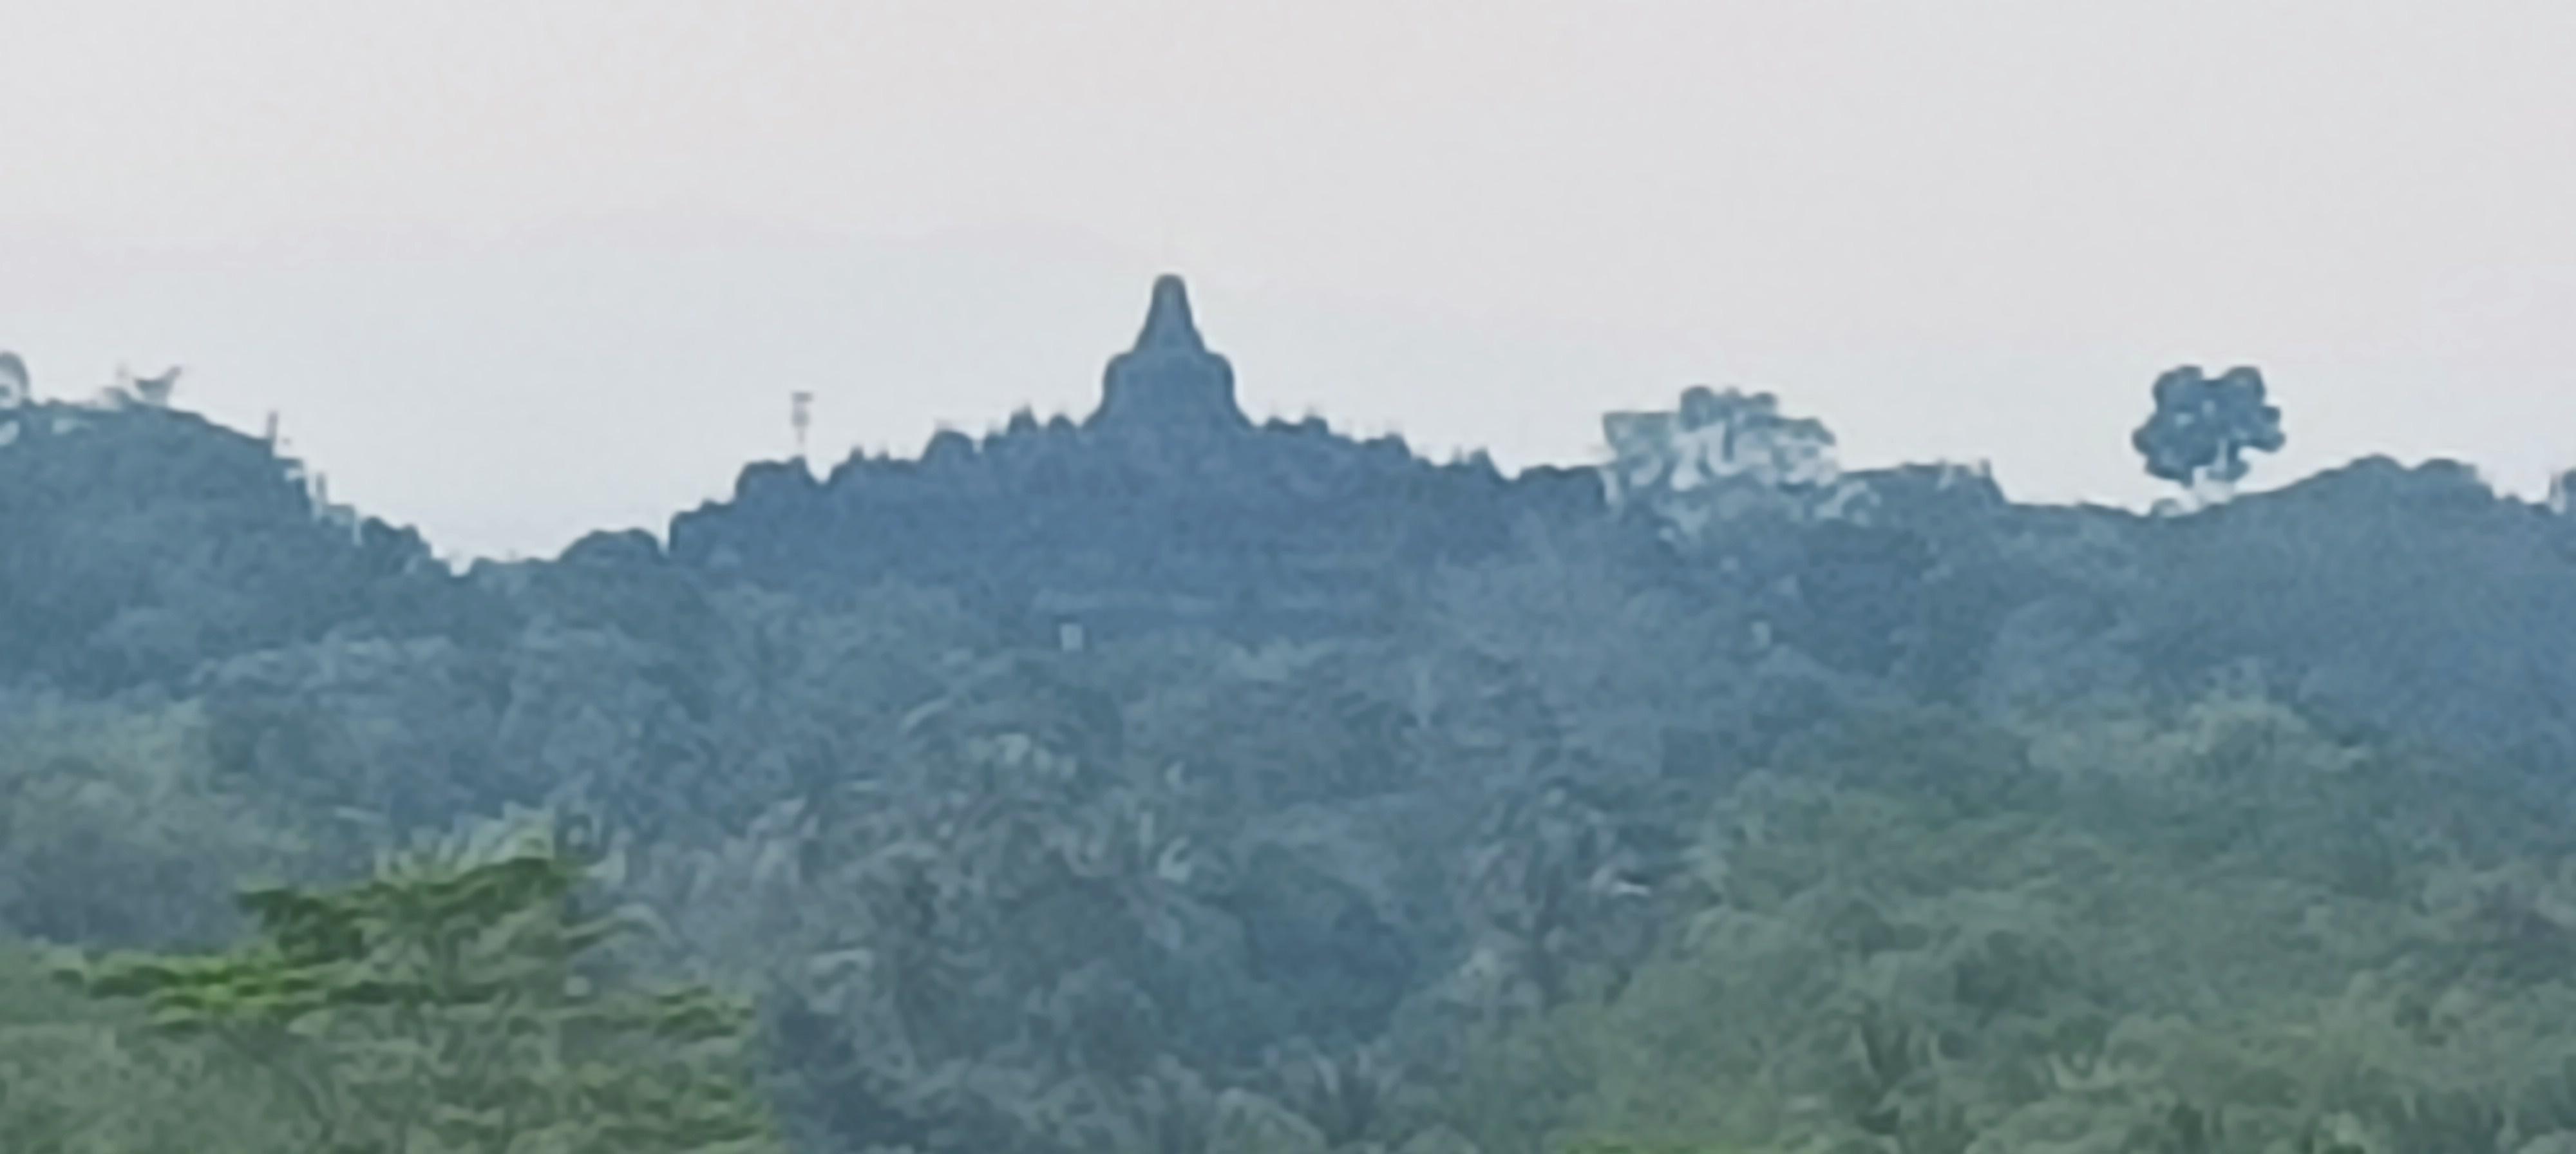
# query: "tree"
{"points": [[444, 1006], [2203, 427], [14, 389], [1719, 457]]}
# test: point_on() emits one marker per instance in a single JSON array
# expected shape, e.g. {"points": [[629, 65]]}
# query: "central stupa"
{"points": [[1169, 382]]}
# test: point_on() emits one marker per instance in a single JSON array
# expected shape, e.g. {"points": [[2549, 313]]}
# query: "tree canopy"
{"points": [[1075, 791]]}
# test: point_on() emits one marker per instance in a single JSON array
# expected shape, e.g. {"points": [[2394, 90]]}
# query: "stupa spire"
{"points": [[1168, 323], [1169, 381]]}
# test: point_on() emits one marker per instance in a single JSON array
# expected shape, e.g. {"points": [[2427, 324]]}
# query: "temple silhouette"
{"points": [[1169, 382], [1165, 507]]}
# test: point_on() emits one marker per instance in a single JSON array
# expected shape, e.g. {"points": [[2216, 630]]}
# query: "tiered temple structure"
{"points": [[1169, 384], [1167, 506]]}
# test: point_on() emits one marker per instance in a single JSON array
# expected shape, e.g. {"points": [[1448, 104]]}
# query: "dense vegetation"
{"points": [[1250, 790]]}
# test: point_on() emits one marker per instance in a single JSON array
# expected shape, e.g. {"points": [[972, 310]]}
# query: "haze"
{"points": [[511, 272]]}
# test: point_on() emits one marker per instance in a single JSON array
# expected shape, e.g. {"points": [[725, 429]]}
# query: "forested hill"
{"points": [[147, 546], [1166, 507], [143, 542], [1165, 781]]}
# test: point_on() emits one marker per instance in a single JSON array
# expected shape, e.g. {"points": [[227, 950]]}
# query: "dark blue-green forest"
{"points": [[1160, 781]]}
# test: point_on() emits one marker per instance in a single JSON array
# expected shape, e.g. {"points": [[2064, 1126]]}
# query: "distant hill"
{"points": [[137, 542], [145, 543], [1167, 781], [1165, 507], [2413, 602]]}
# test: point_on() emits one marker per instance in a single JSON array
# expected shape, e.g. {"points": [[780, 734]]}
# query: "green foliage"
{"points": [[114, 831], [1873, 814], [81, 1077], [144, 542], [2160, 951], [441, 1006], [2409, 605], [1628, 1146], [2204, 426]]}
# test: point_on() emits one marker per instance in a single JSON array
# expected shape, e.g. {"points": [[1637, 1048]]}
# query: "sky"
{"points": [[513, 270]]}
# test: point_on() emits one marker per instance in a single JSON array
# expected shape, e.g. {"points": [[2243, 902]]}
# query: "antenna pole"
{"points": [[801, 417]]}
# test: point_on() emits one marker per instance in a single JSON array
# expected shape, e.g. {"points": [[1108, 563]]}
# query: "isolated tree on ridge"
{"points": [[2203, 427]]}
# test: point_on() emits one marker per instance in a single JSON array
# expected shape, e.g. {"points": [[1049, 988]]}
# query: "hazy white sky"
{"points": [[514, 269]]}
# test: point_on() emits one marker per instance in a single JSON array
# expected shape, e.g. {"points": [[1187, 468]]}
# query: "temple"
{"points": [[1165, 507], [1170, 381]]}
